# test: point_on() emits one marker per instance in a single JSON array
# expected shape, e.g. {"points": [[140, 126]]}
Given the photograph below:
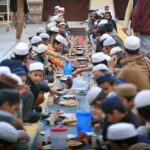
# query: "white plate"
{"points": [[48, 119], [68, 96], [67, 115], [71, 136], [81, 58], [90, 133]]}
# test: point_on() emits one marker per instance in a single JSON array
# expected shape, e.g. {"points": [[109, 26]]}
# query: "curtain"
{"points": [[120, 8]]}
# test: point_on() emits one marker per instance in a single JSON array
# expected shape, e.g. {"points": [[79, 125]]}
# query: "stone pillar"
{"points": [[35, 10]]}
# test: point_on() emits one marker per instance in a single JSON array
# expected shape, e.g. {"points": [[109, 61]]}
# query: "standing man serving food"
{"points": [[18, 9]]}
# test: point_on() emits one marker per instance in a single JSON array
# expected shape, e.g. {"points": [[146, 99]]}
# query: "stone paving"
{"points": [[8, 42]]}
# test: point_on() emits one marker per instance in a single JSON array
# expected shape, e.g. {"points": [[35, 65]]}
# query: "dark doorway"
{"points": [[120, 8], [75, 10]]}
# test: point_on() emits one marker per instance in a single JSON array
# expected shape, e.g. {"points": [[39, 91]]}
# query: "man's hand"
{"points": [[53, 91], [67, 59], [97, 127], [18, 123], [23, 135], [112, 63]]}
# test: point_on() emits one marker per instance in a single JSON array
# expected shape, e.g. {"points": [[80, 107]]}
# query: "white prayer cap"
{"points": [[99, 12], [93, 12], [99, 57], [36, 66], [41, 48], [54, 29], [121, 131], [62, 23], [104, 36], [51, 24], [61, 9], [61, 39], [8, 132], [142, 99], [55, 18], [109, 41], [40, 30], [36, 39], [44, 36], [103, 21], [57, 7], [132, 43], [115, 50], [93, 94], [5, 71], [100, 67], [17, 78], [22, 49]]}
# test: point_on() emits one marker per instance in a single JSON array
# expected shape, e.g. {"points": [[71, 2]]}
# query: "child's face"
{"points": [[10, 108], [62, 29], [36, 76]]}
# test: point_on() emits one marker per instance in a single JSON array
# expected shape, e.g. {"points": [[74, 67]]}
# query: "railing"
{"points": [[4, 11]]}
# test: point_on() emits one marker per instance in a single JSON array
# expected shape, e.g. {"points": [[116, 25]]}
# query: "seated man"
{"points": [[136, 70], [115, 112], [142, 104], [122, 135]]}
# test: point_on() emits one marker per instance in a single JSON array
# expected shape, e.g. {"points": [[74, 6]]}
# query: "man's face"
{"points": [[106, 8], [62, 29], [113, 117], [96, 104], [10, 108], [36, 76], [58, 47], [92, 16], [107, 16], [128, 104], [106, 87], [44, 54], [94, 30], [107, 49]]}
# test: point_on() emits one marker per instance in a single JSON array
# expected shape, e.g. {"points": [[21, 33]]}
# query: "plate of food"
{"points": [[67, 115], [61, 93], [68, 102], [70, 120], [63, 79], [58, 112], [80, 53], [74, 143], [81, 58], [69, 96], [47, 147], [71, 136]]}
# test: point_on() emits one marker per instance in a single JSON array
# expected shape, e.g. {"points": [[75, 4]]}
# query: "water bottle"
{"points": [[82, 103], [67, 68], [83, 121]]}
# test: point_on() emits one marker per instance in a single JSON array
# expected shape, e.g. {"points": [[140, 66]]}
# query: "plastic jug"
{"points": [[83, 121], [59, 137], [82, 103], [67, 68]]}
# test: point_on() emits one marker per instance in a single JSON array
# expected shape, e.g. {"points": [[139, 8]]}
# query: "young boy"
{"points": [[36, 75], [9, 100]]}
